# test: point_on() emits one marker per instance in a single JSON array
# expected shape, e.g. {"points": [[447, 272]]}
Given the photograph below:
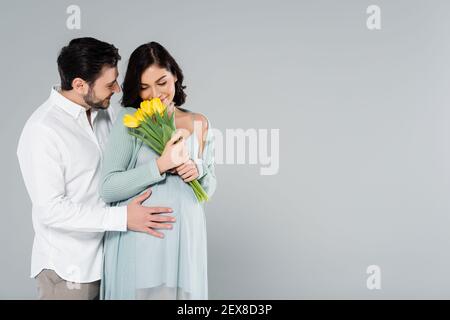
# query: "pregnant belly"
{"points": [[173, 192], [189, 229]]}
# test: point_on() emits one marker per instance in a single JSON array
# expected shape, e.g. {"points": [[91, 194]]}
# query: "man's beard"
{"points": [[91, 100]]}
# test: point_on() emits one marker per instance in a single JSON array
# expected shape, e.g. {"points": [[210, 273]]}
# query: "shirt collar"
{"points": [[70, 107]]}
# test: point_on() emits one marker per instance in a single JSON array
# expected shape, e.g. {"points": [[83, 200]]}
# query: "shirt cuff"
{"points": [[117, 219]]}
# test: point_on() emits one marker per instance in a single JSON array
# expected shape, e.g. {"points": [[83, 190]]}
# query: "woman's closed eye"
{"points": [[159, 84]]}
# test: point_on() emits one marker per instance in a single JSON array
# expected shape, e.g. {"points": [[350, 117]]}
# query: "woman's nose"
{"points": [[154, 93]]}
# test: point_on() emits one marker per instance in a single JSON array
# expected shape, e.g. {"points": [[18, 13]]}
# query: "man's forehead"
{"points": [[109, 74]]}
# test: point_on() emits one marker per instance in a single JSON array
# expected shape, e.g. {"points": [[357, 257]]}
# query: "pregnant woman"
{"points": [[170, 264]]}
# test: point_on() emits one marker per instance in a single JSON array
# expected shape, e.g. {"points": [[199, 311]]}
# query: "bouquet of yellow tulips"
{"points": [[152, 125]]}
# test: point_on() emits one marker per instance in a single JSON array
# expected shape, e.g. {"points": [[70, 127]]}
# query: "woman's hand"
{"points": [[175, 153], [187, 171]]}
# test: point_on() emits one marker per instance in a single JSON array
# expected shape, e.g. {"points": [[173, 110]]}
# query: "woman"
{"points": [[174, 265]]}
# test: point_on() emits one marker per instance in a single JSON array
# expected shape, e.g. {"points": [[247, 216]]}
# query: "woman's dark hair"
{"points": [[84, 58], [143, 57]]}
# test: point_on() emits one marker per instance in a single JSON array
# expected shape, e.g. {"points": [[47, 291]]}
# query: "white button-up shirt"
{"points": [[60, 158]]}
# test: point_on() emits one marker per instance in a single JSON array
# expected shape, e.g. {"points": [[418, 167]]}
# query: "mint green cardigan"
{"points": [[121, 180]]}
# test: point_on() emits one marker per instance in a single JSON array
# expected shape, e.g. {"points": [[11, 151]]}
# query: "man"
{"points": [[60, 152]]}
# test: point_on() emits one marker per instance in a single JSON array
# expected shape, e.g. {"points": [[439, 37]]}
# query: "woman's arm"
{"points": [[118, 183]]}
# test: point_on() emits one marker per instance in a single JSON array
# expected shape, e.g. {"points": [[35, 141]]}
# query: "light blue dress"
{"points": [[141, 266]]}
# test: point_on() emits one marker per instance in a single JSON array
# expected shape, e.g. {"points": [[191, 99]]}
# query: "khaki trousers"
{"points": [[52, 287]]}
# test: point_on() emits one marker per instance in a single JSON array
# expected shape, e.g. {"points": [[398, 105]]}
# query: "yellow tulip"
{"points": [[147, 108], [158, 106], [130, 121], [139, 114]]}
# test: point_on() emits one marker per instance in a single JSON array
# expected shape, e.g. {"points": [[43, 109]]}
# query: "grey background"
{"points": [[364, 136]]}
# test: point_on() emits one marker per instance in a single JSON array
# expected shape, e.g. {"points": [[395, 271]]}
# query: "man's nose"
{"points": [[116, 88]]}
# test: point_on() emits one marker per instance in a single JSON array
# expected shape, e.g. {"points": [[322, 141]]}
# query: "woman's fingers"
{"points": [[189, 166], [189, 176], [181, 167], [184, 171], [176, 135], [187, 171]]}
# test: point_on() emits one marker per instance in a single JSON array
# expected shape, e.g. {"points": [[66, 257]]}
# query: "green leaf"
{"points": [[158, 118], [147, 142], [172, 121], [155, 127], [200, 193], [151, 133], [166, 117], [167, 130]]}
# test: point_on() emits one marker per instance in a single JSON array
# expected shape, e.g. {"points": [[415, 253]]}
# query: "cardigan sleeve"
{"points": [[206, 168], [118, 183]]}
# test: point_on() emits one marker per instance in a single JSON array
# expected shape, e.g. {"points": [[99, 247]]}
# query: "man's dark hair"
{"points": [[85, 58]]}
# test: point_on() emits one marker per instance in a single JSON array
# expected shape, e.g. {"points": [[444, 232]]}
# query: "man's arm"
{"points": [[43, 173]]}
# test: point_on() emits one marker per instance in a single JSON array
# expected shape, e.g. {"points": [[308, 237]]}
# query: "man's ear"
{"points": [[80, 86]]}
